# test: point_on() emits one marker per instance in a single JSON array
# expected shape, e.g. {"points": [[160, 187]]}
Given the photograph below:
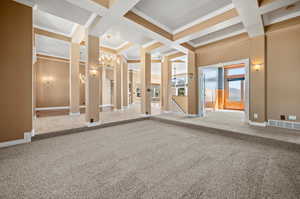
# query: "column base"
{"points": [[74, 114], [125, 107], [261, 124], [93, 124]]}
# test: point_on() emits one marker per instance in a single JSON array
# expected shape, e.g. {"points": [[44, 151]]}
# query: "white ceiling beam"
{"points": [[250, 15], [276, 5], [217, 27], [154, 35], [113, 16]]}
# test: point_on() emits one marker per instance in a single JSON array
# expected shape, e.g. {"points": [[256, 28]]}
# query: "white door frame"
{"points": [[201, 95], [246, 62]]}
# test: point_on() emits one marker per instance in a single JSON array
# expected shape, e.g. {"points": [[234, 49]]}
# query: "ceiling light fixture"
{"points": [[108, 36]]}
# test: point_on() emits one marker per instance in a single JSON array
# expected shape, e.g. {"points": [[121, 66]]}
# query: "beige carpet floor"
{"points": [[149, 159]]}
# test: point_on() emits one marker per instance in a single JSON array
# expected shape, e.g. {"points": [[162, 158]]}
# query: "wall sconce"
{"points": [[93, 72], [257, 67], [82, 78], [47, 80]]}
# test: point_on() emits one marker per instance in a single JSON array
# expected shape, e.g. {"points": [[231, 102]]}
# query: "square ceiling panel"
{"points": [[219, 35], [52, 47], [53, 23], [121, 33], [177, 13]]}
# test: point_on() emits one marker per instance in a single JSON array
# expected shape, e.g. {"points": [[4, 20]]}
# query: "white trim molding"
{"points": [[192, 115], [105, 105], [260, 124], [26, 139], [52, 108]]}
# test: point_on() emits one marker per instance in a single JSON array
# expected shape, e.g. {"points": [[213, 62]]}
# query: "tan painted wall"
{"points": [[236, 48], [58, 92], [224, 51], [275, 89], [15, 70], [283, 59]]}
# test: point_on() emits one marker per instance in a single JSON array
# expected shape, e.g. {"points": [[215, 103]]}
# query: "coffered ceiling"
{"points": [[176, 14], [175, 25]]}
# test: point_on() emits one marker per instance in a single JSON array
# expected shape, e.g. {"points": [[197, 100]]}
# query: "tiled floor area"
{"points": [[65, 122], [234, 121]]}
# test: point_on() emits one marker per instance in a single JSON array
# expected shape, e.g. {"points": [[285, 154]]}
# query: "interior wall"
{"points": [[237, 48], [274, 90], [56, 92], [15, 70], [283, 59], [227, 50]]}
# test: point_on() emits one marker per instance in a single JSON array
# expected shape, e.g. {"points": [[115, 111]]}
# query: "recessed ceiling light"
{"points": [[107, 36]]}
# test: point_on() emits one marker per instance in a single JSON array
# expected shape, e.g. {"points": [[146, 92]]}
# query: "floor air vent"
{"points": [[284, 124]]}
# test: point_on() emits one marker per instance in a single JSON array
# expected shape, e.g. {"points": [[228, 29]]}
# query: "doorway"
{"points": [[224, 87]]}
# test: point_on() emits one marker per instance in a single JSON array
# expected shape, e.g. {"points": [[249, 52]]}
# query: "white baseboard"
{"points": [[52, 108], [145, 115], [261, 124], [74, 114], [105, 105], [26, 139], [192, 115]]}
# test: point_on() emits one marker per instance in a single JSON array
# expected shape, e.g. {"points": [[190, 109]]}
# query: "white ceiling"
{"points": [[177, 13], [129, 33], [53, 23], [52, 47], [133, 53], [63, 9], [112, 38]]}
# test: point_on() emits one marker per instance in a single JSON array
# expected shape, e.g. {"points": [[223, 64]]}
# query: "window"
{"points": [[235, 92], [236, 71]]}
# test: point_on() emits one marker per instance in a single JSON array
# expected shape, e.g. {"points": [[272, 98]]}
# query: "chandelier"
{"points": [[107, 59]]}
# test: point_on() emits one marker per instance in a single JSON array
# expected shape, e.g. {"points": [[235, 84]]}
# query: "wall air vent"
{"points": [[284, 124]]}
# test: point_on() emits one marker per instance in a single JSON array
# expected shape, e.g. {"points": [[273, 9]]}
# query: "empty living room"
{"points": [[160, 99]]}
